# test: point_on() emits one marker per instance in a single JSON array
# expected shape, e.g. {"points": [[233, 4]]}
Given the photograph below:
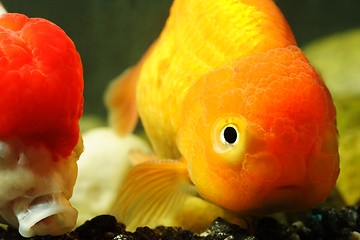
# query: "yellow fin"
{"points": [[120, 99], [153, 191]]}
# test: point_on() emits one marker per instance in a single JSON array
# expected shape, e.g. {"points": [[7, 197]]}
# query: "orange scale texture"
{"points": [[295, 93]]}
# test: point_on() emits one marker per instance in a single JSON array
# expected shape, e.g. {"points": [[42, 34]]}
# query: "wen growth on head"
{"points": [[41, 102], [233, 108]]}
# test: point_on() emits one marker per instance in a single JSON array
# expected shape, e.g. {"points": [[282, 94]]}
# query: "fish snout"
{"points": [[306, 178], [35, 189], [50, 214]]}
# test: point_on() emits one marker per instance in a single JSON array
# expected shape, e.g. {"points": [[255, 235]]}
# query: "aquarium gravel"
{"points": [[324, 223]]}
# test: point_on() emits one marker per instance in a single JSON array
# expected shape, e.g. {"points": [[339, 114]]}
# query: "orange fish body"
{"points": [[226, 89]]}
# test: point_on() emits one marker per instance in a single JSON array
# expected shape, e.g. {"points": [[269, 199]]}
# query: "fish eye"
{"points": [[229, 135]]}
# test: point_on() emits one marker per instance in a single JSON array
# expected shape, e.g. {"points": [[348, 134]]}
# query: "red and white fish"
{"points": [[41, 102]]}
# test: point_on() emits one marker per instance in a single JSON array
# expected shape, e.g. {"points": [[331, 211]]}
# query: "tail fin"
{"points": [[120, 98]]}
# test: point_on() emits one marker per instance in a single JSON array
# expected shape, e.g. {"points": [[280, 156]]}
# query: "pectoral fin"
{"points": [[153, 191]]}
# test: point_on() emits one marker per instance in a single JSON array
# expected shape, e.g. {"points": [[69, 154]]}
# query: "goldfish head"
{"points": [[41, 84], [260, 135]]}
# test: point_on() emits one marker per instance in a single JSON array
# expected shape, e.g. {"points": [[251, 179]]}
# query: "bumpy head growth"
{"points": [[41, 102], [41, 83], [260, 135]]}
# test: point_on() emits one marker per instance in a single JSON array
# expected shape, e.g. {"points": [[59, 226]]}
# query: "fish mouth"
{"points": [[284, 197], [289, 188], [49, 214], [287, 191], [278, 199]]}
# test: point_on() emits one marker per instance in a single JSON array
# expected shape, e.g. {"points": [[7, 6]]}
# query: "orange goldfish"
{"points": [[233, 109]]}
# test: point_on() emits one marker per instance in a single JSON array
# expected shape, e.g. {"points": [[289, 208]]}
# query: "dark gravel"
{"points": [[324, 223]]}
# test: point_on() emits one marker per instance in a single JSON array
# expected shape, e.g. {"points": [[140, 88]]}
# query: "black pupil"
{"points": [[230, 135]]}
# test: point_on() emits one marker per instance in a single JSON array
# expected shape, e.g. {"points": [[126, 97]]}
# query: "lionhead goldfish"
{"points": [[226, 93], [41, 102]]}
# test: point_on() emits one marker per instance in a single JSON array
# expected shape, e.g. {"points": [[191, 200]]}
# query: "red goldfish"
{"points": [[41, 102], [233, 109]]}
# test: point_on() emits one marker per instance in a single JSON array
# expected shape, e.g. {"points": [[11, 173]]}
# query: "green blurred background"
{"points": [[111, 35]]}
